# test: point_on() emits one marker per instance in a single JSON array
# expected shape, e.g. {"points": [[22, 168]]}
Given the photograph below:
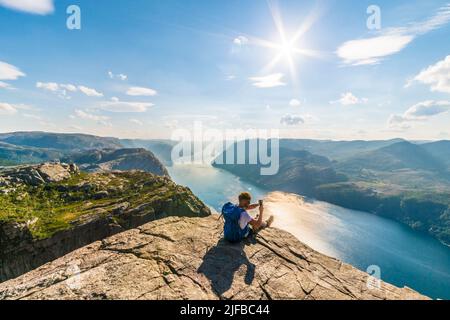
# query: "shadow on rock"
{"points": [[221, 263]]}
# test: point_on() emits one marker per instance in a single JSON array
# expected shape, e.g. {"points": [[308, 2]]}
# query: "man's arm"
{"points": [[256, 223], [253, 206]]}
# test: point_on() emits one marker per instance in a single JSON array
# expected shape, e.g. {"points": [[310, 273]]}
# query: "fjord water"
{"points": [[405, 257]]}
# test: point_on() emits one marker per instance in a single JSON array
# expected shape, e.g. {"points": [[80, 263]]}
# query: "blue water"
{"points": [[405, 257]]}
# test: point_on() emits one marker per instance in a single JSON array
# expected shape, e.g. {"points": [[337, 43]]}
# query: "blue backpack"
{"points": [[232, 230]]}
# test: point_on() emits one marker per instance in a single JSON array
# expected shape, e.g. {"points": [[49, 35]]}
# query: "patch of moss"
{"points": [[55, 207]]}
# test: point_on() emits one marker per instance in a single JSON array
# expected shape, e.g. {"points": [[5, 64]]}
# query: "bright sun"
{"points": [[287, 49]]}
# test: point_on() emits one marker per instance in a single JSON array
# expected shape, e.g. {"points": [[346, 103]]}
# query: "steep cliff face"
{"points": [[106, 160], [49, 210], [185, 258]]}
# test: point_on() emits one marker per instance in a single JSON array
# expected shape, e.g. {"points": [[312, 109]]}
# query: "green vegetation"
{"points": [[53, 207]]}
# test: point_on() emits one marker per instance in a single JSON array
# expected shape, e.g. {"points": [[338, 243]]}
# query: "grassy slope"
{"points": [[53, 207]]}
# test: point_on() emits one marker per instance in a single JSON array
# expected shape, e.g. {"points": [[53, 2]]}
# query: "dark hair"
{"points": [[245, 196]]}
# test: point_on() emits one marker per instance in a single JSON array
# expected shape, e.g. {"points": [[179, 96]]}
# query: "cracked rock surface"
{"points": [[185, 258]]}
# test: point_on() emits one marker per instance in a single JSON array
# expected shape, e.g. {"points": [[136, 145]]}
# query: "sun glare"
{"points": [[287, 50]]}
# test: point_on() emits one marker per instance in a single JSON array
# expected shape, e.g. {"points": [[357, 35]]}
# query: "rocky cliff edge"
{"points": [[185, 258]]}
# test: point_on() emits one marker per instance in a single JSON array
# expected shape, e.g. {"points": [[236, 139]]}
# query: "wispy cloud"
{"points": [[11, 109], [9, 72], [63, 89], [240, 41], [69, 87], [419, 112], [115, 105], [119, 76], [56, 88], [349, 99], [141, 91], [7, 109], [90, 92], [436, 76], [103, 120], [4, 85], [41, 7], [295, 103], [390, 41], [270, 81], [49, 86]]}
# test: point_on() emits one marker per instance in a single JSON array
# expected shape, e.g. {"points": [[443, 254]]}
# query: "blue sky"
{"points": [[141, 68]]}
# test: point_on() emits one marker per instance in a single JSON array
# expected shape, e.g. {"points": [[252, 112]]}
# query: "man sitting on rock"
{"points": [[238, 223]]}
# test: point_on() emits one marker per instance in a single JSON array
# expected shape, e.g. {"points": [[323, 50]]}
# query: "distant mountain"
{"points": [[336, 150], [12, 155], [397, 156], [299, 171], [117, 159], [440, 150], [60, 141], [161, 148]]}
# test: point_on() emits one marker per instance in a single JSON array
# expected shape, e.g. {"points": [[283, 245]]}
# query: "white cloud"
{"points": [[89, 116], [4, 85], [90, 92], [125, 106], [370, 51], [390, 41], [292, 120], [69, 87], [103, 120], [426, 109], [59, 89], [115, 99], [49, 86], [436, 76], [41, 7], [419, 112], [136, 121], [141, 91], [295, 103], [240, 41], [7, 109], [270, 81], [348, 99], [9, 72], [119, 76]]}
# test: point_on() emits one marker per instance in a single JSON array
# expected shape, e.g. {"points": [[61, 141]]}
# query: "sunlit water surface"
{"points": [[406, 257]]}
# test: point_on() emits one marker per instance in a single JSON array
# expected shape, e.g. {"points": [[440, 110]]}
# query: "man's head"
{"points": [[245, 199]]}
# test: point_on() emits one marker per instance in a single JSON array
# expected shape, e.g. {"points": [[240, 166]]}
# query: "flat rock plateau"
{"points": [[186, 258]]}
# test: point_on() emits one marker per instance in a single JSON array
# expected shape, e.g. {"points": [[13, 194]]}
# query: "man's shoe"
{"points": [[269, 221]]}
